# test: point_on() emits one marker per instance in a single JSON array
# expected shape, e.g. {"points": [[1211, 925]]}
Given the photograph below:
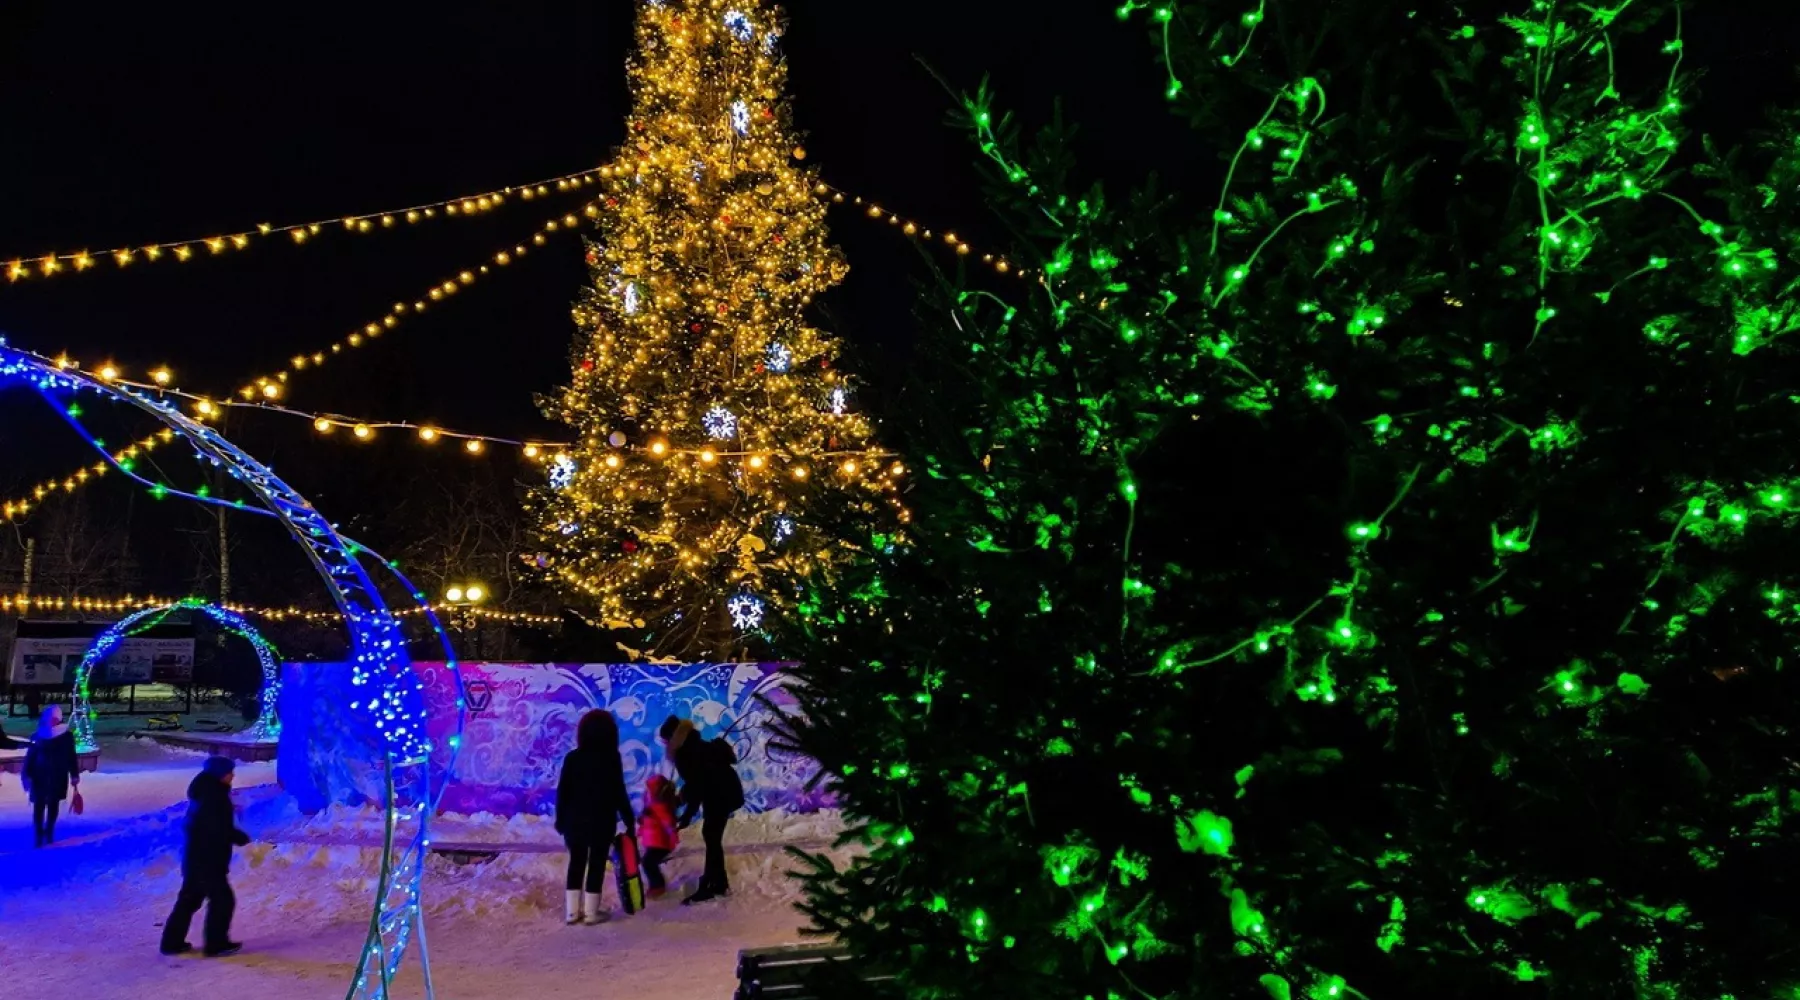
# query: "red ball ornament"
{"points": [[824, 362], [726, 219], [629, 547], [612, 203], [768, 112], [592, 257], [780, 238], [695, 327], [587, 365]]}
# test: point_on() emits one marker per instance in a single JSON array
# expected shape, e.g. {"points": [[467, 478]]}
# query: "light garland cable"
{"points": [[270, 386], [11, 510], [28, 604], [911, 227], [47, 265]]}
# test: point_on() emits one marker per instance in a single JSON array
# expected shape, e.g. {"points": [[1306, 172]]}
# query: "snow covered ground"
{"points": [[89, 909]]}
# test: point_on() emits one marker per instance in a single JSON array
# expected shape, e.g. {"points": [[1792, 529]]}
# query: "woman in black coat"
{"points": [[52, 767], [709, 784], [590, 804]]}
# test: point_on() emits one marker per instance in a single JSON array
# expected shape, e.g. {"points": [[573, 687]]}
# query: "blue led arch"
{"points": [[388, 696], [267, 726]]}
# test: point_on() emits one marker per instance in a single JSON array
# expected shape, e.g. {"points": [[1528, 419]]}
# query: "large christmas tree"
{"points": [[713, 422], [1371, 573]]}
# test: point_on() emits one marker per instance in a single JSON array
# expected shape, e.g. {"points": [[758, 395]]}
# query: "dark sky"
{"points": [[126, 123]]}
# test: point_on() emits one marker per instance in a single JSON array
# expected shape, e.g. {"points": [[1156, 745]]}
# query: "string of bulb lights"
{"points": [[271, 386], [25, 604], [265, 388], [911, 227], [51, 264], [13, 509]]}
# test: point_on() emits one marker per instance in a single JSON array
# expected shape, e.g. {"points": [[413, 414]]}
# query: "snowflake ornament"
{"points": [[783, 529], [839, 401], [740, 117], [739, 25], [720, 423], [631, 298], [778, 358], [746, 611], [562, 472]]}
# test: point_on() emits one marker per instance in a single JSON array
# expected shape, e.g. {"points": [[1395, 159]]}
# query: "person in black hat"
{"points": [[211, 834], [709, 783]]}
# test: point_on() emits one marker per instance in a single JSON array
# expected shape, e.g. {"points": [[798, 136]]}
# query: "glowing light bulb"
{"points": [[363, 431], [427, 434], [109, 372], [162, 376], [322, 425], [454, 594], [474, 594], [658, 447], [800, 472]]}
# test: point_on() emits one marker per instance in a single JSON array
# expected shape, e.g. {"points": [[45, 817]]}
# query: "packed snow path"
{"points": [[89, 910]]}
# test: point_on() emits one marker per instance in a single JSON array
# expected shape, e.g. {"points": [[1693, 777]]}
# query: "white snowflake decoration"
{"points": [[720, 423], [770, 41], [783, 529], [778, 358], [839, 400], [746, 611], [562, 472], [739, 25], [631, 298], [740, 117]]}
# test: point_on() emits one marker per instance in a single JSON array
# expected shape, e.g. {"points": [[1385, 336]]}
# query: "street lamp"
{"points": [[462, 599]]}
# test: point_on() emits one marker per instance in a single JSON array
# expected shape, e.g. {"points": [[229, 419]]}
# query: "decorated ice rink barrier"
{"points": [[522, 718]]}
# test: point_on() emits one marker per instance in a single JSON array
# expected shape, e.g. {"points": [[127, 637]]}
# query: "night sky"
{"points": [[157, 122]]}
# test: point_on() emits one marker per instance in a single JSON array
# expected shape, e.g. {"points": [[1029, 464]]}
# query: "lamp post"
{"points": [[463, 599]]}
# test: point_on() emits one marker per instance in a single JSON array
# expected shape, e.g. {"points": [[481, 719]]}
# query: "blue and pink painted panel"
{"points": [[522, 720]]}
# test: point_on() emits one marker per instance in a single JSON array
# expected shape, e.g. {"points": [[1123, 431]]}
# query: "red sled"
{"points": [[625, 873]]}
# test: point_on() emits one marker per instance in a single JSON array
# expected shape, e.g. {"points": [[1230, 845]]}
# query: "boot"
{"points": [[706, 890], [572, 906], [596, 914]]}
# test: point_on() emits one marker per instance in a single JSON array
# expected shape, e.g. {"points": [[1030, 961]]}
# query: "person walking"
{"points": [[709, 784], [52, 767], [212, 833], [591, 802]]}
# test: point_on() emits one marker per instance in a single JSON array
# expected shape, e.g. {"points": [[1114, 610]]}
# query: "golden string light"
{"points": [[271, 386], [48, 265], [910, 227], [13, 509], [22, 604]]}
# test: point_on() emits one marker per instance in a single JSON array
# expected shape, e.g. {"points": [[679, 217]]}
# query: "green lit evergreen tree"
{"points": [[1371, 574]]}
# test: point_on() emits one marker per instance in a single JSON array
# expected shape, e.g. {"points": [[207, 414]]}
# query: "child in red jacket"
{"points": [[657, 830]]}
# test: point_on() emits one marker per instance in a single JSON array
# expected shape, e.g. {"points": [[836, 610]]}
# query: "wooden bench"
{"points": [[783, 973], [13, 761], [464, 853]]}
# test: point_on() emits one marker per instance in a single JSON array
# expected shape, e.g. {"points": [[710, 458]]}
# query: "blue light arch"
{"points": [[267, 726], [392, 704]]}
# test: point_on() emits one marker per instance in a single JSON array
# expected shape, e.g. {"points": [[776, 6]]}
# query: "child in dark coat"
{"points": [[212, 833], [658, 833], [52, 767], [591, 802], [709, 782]]}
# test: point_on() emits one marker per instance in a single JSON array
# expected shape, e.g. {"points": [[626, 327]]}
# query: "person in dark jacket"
{"points": [[709, 784], [212, 833], [591, 802], [52, 767]]}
